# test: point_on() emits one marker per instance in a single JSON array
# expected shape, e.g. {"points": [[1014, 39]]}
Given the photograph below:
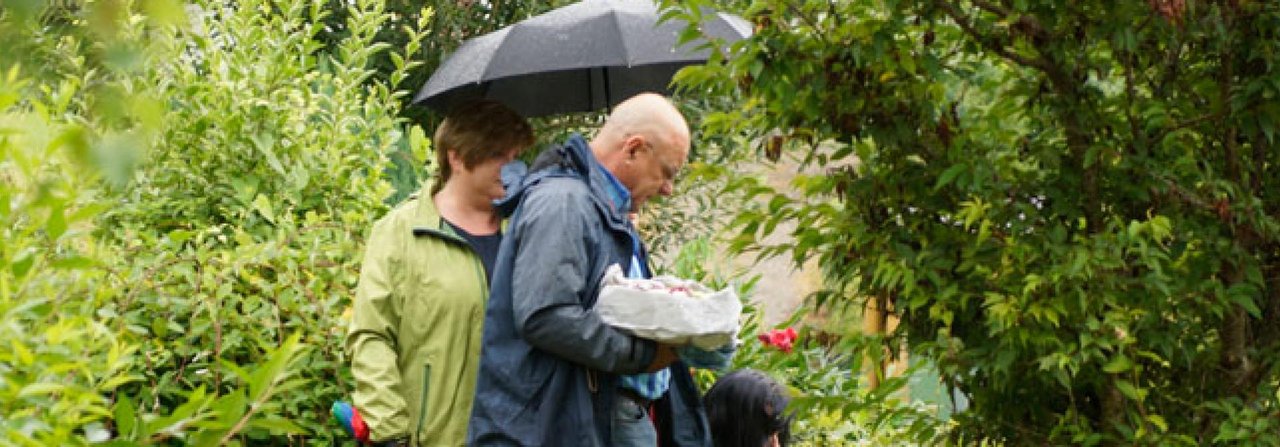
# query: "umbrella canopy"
{"points": [[582, 57]]}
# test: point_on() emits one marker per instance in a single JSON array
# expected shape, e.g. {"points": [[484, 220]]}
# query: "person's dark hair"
{"points": [[478, 130], [745, 407]]}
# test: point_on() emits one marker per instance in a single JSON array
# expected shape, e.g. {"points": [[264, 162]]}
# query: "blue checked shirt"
{"points": [[648, 385]]}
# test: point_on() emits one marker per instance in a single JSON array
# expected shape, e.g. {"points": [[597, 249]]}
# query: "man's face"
{"points": [[656, 168]]}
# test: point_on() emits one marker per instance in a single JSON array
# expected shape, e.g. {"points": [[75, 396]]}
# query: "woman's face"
{"points": [[485, 178]]}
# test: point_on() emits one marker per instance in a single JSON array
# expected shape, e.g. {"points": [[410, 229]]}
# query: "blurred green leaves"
{"points": [[183, 191]]}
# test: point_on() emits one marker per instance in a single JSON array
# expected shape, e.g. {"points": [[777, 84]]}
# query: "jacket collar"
{"points": [[571, 159], [619, 196], [427, 220], [425, 214]]}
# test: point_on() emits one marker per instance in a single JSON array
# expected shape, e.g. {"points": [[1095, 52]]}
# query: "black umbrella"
{"points": [[582, 57]]}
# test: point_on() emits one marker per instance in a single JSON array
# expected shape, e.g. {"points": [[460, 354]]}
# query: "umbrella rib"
{"points": [[626, 57], [626, 49]]}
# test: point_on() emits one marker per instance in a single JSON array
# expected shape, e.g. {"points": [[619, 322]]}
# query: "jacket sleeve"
{"points": [[553, 261], [372, 338]]}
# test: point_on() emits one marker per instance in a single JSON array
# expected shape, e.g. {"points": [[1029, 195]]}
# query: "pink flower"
{"points": [[779, 338]]}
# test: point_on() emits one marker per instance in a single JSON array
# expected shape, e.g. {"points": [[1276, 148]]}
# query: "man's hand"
{"points": [[665, 356]]}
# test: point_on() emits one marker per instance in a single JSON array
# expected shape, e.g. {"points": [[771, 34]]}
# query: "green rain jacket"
{"points": [[414, 340]]}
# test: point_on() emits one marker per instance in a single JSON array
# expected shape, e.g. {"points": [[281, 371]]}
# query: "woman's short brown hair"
{"points": [[478, 131]]}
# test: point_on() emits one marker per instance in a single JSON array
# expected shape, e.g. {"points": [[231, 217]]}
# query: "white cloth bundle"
{"points": [[670, 310]]}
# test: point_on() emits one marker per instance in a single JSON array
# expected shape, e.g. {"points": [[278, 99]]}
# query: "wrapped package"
{"points": [[669, 310]]}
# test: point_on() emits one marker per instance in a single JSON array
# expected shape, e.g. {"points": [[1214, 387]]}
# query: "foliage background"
{"points": [[1070, 206], [192, 184]]}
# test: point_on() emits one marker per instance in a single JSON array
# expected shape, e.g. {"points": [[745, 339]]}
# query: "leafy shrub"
{"points": [[832, 404], [60, 361], [185, 192], [253, 213], [1070, 205]]}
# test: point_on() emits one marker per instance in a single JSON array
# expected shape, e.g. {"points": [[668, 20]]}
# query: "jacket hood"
{"points": [[571, 159]]}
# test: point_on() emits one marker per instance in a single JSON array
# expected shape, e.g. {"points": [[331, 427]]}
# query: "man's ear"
{"points": [[632, 146]]}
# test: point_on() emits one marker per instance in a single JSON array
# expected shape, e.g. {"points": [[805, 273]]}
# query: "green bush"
{"points": [[254, 212], [185, 191], [1070, 205], [60, 361], [831, 403]]}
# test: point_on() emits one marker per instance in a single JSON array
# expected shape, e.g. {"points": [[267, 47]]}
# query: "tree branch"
{"points": [[991, 7], [995, 47], [808, 21], [1130, 92], [244, 420], [1186, 197], [1026, 23]]}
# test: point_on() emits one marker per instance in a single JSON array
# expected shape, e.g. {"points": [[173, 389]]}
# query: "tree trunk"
{"points": [[1235, 339], [875, 319]]}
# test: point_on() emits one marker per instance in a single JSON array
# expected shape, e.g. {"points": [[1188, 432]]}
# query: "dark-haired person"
{"points": [[746, 408], [415, 332]]}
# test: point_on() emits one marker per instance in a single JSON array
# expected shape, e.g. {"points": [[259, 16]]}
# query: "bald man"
{"points": [[551, 372]]}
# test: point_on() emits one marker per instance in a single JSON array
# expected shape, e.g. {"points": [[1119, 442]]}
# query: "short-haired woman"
{"points": [[415, 332]]}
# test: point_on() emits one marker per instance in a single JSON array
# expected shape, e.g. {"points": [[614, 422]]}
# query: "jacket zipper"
{"points": [[422, 405], [484, 286]]}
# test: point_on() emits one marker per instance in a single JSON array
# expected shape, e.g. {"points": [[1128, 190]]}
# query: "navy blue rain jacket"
{"points": [[549, 365]]}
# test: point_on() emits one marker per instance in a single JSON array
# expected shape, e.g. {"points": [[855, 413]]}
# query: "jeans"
{"points": [[631, 424]]}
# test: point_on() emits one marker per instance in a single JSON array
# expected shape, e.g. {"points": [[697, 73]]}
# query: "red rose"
{"points": [[779, 338]]}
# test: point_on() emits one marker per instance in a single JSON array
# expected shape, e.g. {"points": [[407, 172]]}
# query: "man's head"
{"points": [[644, 143], [476, 133]]}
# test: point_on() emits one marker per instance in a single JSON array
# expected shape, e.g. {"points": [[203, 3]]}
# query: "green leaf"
{"points": [[56, 226], [86, 212], [22, 263], [125, 417], [1118, 364], [165, 12], [115, 382], [1243, 294], [236, 370], [949, 175], [1159, 422], [209, 437], [1129, 390], [74, 262], [180, 418], [1253, 274], [41, 388], [231, 406], [277, 425], [160, 328], [265, 143], [421, 145], [273, 370], [263, 206], [180, 236], [24, 355]]}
